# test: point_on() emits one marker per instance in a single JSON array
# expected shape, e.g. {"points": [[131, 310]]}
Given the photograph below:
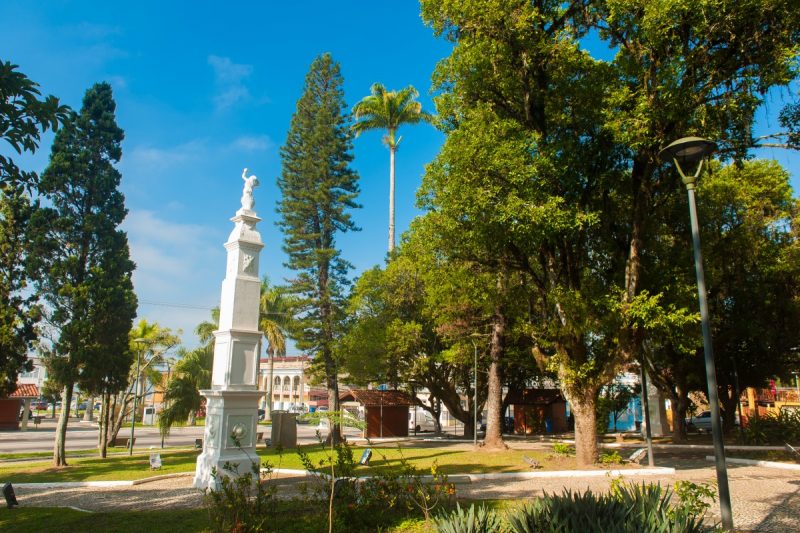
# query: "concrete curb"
{"points": [[754, 462], [740, 447], [80, 484], [575, 473], [471, 478]]}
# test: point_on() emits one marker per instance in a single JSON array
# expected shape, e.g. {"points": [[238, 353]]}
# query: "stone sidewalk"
{"points": [[764, 500]]}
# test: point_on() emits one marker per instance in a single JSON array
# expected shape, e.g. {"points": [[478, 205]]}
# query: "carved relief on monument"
{"points": [[212, 428], [248, 263], [241, 430]]}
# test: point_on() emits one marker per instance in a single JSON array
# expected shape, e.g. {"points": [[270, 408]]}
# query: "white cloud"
{"points": [[150, 157], [226, 71], [230, 80], [253, 143], [174, 262], [117, 82]]}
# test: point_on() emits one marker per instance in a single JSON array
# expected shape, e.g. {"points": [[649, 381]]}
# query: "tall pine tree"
{"points": [[318, 190], [83, 256]]}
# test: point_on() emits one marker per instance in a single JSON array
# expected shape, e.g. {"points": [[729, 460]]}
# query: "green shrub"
{"points": [[471, 520], [240, 502], [366, 503], [560, 448], [628, 509], [694, 498], [773, 428], [610, 458]]}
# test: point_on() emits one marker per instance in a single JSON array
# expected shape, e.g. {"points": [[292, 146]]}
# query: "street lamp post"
{"points": [[475, 396], [689, 150], [797, 383], [164, 393], [141, 342]]}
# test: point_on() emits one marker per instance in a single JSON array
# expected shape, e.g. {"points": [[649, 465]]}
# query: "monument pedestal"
{"points": [[229, 413]]}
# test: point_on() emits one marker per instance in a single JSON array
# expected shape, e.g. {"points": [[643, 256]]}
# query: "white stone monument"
{"points": [[232, 401]]}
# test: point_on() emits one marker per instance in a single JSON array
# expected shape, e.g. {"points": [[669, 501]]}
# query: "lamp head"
{"points": [[687, 150]]}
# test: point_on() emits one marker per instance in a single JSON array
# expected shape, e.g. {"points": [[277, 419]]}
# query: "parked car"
{"points": [[39, 405], [702, 422]]}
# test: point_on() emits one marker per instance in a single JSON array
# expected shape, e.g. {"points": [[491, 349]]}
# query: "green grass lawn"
{"points": [[49, 519], [450, 460], [294, 516]]}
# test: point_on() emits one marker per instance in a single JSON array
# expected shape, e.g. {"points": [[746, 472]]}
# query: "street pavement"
{"points": [[83, 436]]}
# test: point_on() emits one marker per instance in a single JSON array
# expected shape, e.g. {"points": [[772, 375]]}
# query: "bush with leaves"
{"points": [[560, 448], [626, 509], [241, 502], [610, 458], [773, 429], [471, 520], [359, 503]]}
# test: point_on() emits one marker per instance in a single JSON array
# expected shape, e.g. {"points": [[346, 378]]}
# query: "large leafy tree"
{"points": [[576, 210], [751, 249], [24, 116], [83, 256], [318, 189], [388, 110]]}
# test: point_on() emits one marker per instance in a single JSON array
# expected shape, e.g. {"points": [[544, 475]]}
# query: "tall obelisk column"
{"points": [[232, 401]]}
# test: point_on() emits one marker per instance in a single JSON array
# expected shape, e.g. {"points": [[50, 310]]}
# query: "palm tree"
{"points": [[182, 396], [388, 110], [274, 320]]}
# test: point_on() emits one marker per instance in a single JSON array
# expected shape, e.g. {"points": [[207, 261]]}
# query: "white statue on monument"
{"points": [[248, 202]]}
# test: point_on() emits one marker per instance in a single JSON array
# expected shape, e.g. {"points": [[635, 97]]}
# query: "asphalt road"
{"points": [[83, 436]]}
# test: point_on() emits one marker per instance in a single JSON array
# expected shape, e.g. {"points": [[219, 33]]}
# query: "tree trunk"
{"points": [[494, 400], [59, 452], [105, 416], [120, 418], [192, 420], [679, 404], [727, 396], [335, 433], [392, 150], [271, 353], [584, 411]]}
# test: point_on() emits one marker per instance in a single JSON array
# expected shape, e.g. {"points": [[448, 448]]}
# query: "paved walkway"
{"points": [[764, 499]]}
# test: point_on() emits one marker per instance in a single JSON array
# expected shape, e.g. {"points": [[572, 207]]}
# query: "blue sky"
{"points": [[204, 90]]}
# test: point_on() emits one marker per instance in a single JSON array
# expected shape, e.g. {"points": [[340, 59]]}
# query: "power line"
{"points": [[180, 306]]}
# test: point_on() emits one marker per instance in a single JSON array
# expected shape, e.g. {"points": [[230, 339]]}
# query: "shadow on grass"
{"points": [[294, 516], [25, 520], [96, 469]]}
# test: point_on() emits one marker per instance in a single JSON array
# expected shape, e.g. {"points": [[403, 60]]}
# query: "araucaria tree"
{"points": [[318, 191], [83, 257], [23, 117], [388, 110]]}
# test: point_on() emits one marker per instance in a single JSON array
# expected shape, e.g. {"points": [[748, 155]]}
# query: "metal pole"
{"points": [[135, 396], [711, 371], [475, 397], [163, 394], [646, 415], [797, 383]]}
